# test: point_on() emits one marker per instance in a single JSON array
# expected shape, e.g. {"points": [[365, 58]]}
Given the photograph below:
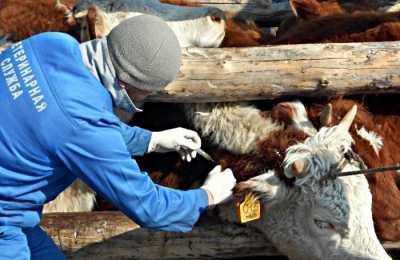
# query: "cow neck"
{"points": [[270, 154]]}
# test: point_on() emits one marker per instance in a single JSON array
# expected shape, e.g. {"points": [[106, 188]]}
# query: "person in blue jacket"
{"points": [[57, 125]]}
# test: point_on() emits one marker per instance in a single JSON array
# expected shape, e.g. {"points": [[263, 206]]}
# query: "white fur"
{"points": [[373, 138], [236, 127], [200, 32], [316, 219], [78, 197], [329, 143], [300, 119], [392, 8]]}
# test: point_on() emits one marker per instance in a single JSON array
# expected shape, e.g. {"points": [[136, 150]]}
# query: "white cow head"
{"points": [[206, 29], [317, 217]]}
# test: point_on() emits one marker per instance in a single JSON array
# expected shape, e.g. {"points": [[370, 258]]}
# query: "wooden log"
{"points": [[72, 231], [111, 235], [233, 74], [106, 235]]}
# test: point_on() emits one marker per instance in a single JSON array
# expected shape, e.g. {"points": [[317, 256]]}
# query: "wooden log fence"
{"points": [[312, 70], [112, 235], [92, 235]]}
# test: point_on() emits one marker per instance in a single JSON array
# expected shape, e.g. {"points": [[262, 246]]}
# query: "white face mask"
{"points": [[127, 103], [95, 57]]}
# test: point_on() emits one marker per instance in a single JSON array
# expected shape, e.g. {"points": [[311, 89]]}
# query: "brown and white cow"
{"points": [[308, 217], [211, 31], [335, 240], [376, 134], [194, 26], [376, 130]]}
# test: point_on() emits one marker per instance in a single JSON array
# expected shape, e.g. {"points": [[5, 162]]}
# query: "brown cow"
{"points": [[20, 19], [318, 23]]}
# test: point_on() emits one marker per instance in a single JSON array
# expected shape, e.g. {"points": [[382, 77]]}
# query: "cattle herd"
{"points": [[285, 152]]}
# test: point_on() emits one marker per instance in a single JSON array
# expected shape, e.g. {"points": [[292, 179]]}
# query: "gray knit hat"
{"points": [[145, 52]]}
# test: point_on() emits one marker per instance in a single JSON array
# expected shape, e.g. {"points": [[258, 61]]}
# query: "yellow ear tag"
{"points": [[249, 209]]}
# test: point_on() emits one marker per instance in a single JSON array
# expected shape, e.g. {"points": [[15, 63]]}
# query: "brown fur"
{"points": [[180, 2], [306, 10], [20, 19], [282, 112], [358, 27], [386, 195], [332, 21], [309, 9], [241, 35], [269, 155]]}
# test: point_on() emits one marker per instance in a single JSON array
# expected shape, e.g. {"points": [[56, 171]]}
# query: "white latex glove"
{"points": [[219, 184], [182, 140]]}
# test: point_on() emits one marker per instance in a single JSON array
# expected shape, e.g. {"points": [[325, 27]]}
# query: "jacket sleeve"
{"points": [[136, 139], [99, 156]]}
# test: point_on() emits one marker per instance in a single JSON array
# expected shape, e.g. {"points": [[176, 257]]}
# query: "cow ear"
{"points": [[305, 9], [267, 187], [325, 118]]}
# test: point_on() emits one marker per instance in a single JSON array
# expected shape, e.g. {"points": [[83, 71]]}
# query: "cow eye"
{"points": [[323, 224]]}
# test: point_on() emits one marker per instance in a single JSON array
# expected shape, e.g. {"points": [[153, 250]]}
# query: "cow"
{"points": [[319, 23], [278, 156], [374, 131], [296, 133], [194, 26], [21, 19], [315, 216], [376, 140], [98, 22]]}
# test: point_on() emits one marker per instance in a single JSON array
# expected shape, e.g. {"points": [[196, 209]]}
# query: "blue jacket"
{"points": [[57, 124]]}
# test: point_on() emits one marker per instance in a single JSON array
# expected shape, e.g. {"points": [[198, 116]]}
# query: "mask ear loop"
{"points": [[135, 108]]}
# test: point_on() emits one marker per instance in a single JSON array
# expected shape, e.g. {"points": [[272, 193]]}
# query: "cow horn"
{"points": [[298, 168], [325, 118], [348, 118]]}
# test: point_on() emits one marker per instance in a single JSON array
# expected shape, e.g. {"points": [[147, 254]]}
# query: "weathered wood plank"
{"points": [[72, 231], [232, 74], [111, 235], [92, 235]]}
